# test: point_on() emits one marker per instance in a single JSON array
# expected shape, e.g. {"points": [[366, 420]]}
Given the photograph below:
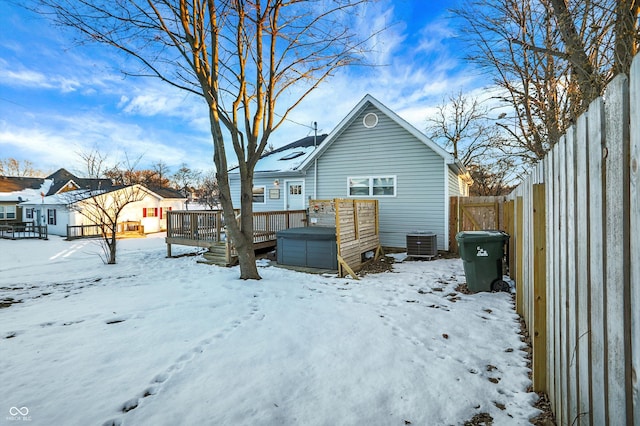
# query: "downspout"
{"points": [[446, 206], [315, 161]]}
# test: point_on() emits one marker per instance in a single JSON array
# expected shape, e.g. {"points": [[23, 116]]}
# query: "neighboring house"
{"points": [[61, 209], [15, 190], [374, 154]]}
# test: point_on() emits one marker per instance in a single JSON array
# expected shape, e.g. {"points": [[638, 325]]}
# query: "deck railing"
{"points": [[266, 224], [83, 231], [20, 231], [94, 231], [195, 225], [204, 228]]}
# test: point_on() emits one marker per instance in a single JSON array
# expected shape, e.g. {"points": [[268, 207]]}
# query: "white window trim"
{"points": [[371, 178], [264, 193], [5, 211]]}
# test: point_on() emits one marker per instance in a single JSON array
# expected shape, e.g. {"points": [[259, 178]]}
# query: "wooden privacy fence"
{"points": [[576, 232], [475, 214], [357, 229]]}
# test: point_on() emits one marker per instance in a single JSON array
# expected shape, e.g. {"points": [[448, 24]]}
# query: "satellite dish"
{"points": [[19, 199]]}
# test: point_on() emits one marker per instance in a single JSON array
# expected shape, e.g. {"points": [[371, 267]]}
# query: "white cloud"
{"points": [[58, 140]]}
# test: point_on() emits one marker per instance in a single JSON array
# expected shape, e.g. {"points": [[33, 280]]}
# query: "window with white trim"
{"points": [[29, 213], [371, 186], [7, 212], [258, 194]]}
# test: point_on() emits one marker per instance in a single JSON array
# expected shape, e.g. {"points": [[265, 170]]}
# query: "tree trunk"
{"points": [[586, 75], [241, 234], [625, 33], [112, 246]]}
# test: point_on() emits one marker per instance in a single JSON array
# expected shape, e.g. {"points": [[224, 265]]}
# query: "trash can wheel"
{"points": [[500, 285]]}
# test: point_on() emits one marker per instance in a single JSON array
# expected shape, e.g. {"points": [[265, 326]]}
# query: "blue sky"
{"points": [[58, 99]]}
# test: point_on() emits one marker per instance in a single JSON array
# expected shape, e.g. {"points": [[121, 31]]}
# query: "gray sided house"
{"points": [[371, 154]]}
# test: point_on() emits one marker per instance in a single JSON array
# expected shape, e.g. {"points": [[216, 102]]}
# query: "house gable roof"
{"points": [[348, 120], [65, 181]]}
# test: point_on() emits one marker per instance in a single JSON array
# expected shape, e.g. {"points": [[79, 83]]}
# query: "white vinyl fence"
{"points": [[576, 231]]}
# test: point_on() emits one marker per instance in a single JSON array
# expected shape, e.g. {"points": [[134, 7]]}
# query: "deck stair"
{"points": [[217, 255]]}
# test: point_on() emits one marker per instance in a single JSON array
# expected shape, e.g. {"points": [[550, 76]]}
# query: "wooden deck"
{"points": [[205, 228], [19, 231]]}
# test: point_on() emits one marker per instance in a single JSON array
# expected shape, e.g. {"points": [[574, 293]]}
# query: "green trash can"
{"points": [[482, 253]]}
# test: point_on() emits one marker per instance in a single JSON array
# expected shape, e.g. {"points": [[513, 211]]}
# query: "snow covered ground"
{"points": [[157, 341]]}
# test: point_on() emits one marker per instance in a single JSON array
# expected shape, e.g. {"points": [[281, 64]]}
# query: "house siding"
{"points": [[270, 204], [387, 149], [63, 216], [456, 185]]}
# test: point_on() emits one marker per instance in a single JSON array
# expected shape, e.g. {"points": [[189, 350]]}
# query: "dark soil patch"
{"points": [[8, 301], [480, 419], [462, 288], [546, 418], [383, 264]]}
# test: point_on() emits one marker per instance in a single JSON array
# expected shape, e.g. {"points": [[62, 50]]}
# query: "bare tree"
{"points": [[103, 206], [129, 176], [492, 179], [464, 126], [162, 171], [534, 82], [15, 167], [186, 179], [461, 126], [253, 62], [553, 57], [208, 191]]}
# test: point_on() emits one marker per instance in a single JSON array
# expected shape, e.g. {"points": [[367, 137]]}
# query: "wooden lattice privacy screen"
{"points": [[357, 231]]}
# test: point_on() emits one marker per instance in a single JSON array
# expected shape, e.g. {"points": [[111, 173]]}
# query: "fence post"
{"points": [[583, 282], [508, 224], [618, 313], [539, 335], [634, 232], [519, 253], [597, 295]]}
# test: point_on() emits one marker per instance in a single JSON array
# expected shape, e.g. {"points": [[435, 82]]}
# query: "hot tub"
{"points": [[311, 246]]}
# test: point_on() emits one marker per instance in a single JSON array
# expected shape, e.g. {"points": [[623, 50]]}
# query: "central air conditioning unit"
{"points": [[422, 244]]}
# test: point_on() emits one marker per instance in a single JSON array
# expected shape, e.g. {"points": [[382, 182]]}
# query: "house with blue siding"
{"points": [[372, 154]]}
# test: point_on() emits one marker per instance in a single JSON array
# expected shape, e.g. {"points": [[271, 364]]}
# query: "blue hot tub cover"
{"points": [[309, 233]]}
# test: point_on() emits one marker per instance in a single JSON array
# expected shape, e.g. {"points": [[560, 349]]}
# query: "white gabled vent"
{"points": [[422, 244], [370, 120]]}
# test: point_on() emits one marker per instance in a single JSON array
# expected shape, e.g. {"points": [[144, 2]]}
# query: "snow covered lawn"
{"points": [[157, 341]]}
